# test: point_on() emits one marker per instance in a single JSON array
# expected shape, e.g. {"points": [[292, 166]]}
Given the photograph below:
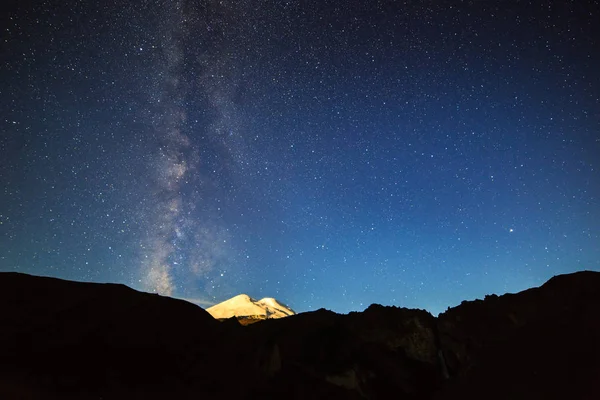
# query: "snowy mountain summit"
{"points": [[247, 309]]}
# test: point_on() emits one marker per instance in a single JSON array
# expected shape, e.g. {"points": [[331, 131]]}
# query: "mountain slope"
{"points": [[71, 340]]}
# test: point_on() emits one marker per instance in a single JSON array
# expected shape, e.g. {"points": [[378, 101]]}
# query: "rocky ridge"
{"points": [[71, 340]]}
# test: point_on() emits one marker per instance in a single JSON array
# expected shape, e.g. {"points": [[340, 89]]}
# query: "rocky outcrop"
{"points": [[62, 339], [374, 354], [540, 343]]}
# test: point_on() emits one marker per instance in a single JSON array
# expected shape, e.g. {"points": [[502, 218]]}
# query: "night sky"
{"points": [[327, 153]]}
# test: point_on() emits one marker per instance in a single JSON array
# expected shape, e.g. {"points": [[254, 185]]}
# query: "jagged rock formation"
{"points": [[62, 339], [248, 310], [540, 343]]}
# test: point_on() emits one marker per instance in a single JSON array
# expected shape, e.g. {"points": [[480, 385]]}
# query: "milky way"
{"points": [[325, 154], [179, 236], [173, 166]]}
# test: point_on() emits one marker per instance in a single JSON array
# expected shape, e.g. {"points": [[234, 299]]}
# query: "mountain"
{"points": [[248, 310], [71, 340]]}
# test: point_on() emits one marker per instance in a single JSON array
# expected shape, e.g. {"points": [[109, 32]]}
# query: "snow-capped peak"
{"points": [[245, 306]]}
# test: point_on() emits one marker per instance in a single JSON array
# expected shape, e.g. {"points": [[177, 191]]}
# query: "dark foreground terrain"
{"points": [[70, 340]]}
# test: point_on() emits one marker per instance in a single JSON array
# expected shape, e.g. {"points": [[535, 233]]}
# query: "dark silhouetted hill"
{"points": [[70, 340]]}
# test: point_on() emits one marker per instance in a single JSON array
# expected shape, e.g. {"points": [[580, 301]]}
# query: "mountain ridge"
{"points": [[73, 340]]}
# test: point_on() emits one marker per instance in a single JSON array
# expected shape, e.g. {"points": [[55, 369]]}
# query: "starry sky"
{"points": [[326, 153]]}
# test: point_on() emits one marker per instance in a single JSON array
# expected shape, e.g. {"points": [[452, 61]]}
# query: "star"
{"points": [[250, 140]]}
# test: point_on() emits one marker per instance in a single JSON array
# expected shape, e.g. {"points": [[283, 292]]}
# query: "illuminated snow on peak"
{"points": [[243, 305]]}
